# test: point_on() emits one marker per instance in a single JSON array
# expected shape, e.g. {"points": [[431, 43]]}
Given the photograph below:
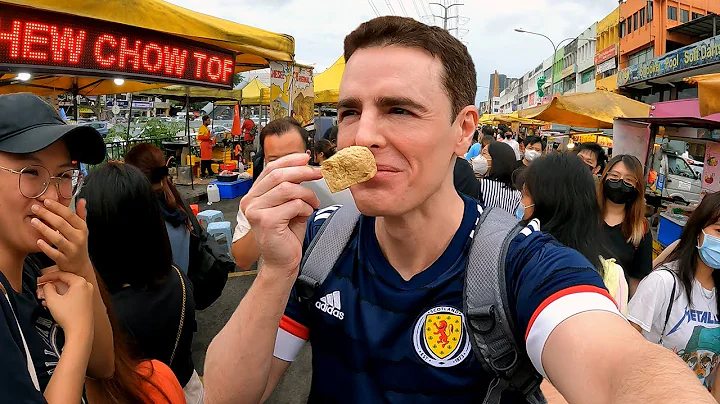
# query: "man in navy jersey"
{"points": [[387, 323]]}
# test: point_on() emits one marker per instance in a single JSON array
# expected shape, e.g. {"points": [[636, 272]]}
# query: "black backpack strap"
{"points": [[487, 311], [325, 249], [670, 303]]}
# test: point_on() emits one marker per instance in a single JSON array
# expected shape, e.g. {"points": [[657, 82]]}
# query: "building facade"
{"points": [[498, 84], [662, 42], [606, 56]]}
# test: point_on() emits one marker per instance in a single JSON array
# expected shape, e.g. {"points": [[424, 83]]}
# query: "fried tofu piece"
{"points": [[349, 166]]}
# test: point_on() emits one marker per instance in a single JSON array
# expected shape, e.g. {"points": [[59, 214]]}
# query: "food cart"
{"points": [[673, 134]]}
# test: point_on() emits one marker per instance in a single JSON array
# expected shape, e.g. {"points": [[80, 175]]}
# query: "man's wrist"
{"points": [[269, 276]]}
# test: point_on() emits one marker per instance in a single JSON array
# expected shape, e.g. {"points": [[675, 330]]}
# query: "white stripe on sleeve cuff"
{"points": [[287, 346]]}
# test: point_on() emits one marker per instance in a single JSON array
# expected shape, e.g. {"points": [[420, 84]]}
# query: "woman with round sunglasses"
{"points": [[625, 232], [54, 328]]}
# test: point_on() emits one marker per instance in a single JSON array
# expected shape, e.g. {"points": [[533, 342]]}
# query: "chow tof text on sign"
{"points": [[47, 42]]}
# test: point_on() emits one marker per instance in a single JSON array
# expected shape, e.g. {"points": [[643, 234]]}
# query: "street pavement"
{"points": [[295, 386]]}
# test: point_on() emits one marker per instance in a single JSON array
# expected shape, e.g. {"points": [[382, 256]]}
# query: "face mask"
{"points": [[480, 165], [617, 191], [710, 251], [531, 155], [520, 211]]}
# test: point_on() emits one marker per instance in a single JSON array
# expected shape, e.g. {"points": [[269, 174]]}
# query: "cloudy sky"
{"points": [[319, 26]]}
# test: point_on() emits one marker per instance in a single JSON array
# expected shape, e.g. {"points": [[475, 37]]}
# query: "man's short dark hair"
{"points": [[280, 126], [205, 118], [595, 149], [459, 75], [488, 130], [531, 140]]}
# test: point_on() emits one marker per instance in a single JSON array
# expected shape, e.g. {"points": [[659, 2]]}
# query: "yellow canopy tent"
{"points": [[254, 47], [253, 94], [488, 119], [708, 93], [515, 118], [327, 83], [587, 110], [181, 92]]}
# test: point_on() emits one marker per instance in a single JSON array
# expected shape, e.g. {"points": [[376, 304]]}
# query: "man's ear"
{"points": [[467, 120]]}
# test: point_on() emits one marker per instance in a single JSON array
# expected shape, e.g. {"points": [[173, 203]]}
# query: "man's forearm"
{"points": [[238, 360], [641, 382]]}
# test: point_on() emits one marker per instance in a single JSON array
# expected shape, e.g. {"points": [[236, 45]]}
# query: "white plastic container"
{"points": [[213, 193]]}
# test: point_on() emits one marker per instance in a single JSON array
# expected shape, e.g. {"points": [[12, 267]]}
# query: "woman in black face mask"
{"points": [[626, 233]]}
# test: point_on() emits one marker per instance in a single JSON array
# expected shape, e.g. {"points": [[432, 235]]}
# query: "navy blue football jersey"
{"points": [[379, 338]]}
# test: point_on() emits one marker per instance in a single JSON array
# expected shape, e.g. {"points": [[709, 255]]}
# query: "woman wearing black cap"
{"points": [[54, 328]]}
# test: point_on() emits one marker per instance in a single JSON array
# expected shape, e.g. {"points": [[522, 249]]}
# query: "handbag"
{"points": [[209, 265], [182, 315]]}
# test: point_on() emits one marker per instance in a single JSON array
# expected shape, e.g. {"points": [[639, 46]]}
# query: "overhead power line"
{"points": [[392, 11], [372, 5], [402, 7]]}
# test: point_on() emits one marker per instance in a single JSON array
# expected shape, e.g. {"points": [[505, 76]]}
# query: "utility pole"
{"points": [[445, 17]]}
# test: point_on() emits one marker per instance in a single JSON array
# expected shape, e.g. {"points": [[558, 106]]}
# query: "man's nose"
{"points": [[370, 131]]}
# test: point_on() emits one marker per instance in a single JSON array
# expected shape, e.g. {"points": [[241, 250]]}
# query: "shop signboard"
{"points": [[531, 99], [280, 83], [605, 54], [567, 71], [701, 53], [711, 171], [605, 66], [303, 95], [45, 42]]}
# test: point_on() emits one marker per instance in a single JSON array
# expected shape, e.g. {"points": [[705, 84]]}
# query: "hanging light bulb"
{"points": [[24, 76], [119, 81]]}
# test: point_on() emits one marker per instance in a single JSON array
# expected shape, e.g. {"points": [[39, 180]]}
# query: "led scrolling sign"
{"points": [[51, 42]]}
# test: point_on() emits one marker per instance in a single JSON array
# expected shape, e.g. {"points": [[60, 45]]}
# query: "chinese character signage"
{"points": [[698, 54], [42, 41]]}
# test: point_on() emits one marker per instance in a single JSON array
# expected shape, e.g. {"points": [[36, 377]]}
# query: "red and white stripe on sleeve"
{"points": [[559, 307], [291, 336]]}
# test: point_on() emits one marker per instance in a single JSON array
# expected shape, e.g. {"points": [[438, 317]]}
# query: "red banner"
{"points": [[46, 42], [605, 54]]}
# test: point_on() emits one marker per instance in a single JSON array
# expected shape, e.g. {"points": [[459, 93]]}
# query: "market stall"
{"points": [[594, 110], [680, 152], [327, 83]]}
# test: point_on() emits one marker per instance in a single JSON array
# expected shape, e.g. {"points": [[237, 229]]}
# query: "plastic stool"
{"points": [[221, 230], [208, 216]]}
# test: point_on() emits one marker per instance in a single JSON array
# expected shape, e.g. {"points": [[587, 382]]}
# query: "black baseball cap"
{"points": [[28, 124]]}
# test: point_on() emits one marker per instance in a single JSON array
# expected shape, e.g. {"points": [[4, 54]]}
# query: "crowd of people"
{"points": [[101, 275]]}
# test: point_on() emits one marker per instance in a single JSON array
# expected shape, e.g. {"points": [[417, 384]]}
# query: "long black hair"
{"points": [[504, 162], [686, 253], [564, 193], [128, 242]]}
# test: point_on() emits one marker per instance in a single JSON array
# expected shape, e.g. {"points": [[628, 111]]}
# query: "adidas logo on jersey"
{"points": [[330, 304]]}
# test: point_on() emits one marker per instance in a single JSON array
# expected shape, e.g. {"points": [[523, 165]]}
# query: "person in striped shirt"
{"points": [[496, 188]]}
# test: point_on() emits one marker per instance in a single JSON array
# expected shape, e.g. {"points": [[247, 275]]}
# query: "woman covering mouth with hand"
{"points": [[54, 328]]}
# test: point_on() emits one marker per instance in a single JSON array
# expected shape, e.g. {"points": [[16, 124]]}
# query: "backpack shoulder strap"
{"points": [[670, 303], [325, 249], [487, 313]]}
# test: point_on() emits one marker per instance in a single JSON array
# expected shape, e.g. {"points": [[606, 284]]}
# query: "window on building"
{"points": [[609, 73], [569, 84], [635, 22], [672, 13], [588, 75], [649, 8], [642, 17], [695, 16], [622, 29], [684, 15], [629, 26], [641, 56]]}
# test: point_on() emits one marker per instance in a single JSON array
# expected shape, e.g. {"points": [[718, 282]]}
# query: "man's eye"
{"points": [[399, 111], [347, 113]]}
